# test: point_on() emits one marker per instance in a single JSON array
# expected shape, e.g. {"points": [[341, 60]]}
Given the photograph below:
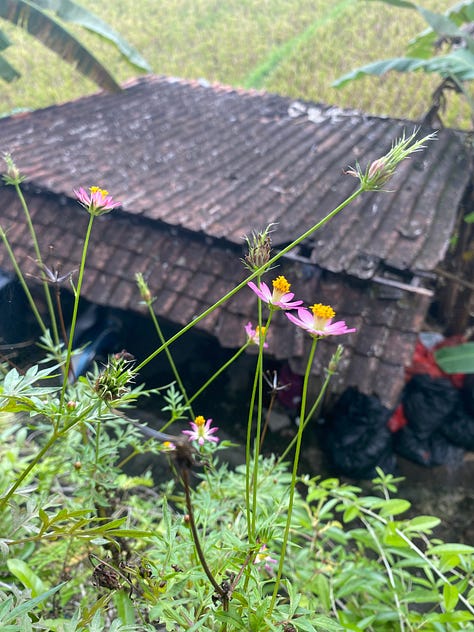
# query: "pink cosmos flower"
{"points": [[253, 335], [264, 558], [168, 446], [317, 321], [201, 431], [97, 202], [281, 297]]}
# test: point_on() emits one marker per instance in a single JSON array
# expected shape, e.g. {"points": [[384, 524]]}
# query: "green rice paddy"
{"points": [[292, 47]]}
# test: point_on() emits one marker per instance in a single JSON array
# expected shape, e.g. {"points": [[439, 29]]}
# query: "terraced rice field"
{"points": [[293, 47]]}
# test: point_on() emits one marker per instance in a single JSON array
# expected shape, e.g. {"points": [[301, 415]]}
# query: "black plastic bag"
{"points": [[467, 394], [427, 403], [431, 451], [435, 415], [356, 437], [459, 428]]}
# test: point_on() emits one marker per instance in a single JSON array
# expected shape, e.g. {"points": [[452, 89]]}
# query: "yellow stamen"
{"points": [[167, 445], [281, 285], [103, 192], [322, 311], [260, 330], [199, 421]]}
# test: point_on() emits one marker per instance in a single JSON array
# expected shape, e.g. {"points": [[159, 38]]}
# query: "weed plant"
{"points": [[85, 547]]}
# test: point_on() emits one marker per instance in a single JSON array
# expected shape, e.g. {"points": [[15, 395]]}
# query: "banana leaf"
{"points": [[45, 28], [459, 359]]}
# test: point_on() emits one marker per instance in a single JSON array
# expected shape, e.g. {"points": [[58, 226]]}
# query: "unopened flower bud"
{"points": [[336, 358], [259, 246], [144, 289], [379, 171], [12, 175]]}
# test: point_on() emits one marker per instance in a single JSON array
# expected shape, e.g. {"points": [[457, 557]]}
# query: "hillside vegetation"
{"points": [[293, 47]]}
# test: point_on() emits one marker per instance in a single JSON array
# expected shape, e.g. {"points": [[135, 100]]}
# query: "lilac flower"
{"points": [[318, 321], [281, 297], [253, 335], [201, 430], [97, 202]]}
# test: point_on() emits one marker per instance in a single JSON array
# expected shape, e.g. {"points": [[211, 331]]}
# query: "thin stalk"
{"points": [[218, 372], [60, 314], [170, 357], [21, 477], [222, 594], [51, 441], [77, 296], [420, 553], [128, 458], [267, 417], [21, 278], [97, 442], [252, 276], [250, 532], [249, 480], [388, 568], [293, 477], [39, 259], [309, 416], [258, 430]]}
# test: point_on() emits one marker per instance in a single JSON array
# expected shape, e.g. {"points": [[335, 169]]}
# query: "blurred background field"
{"points": [[293, 47]]}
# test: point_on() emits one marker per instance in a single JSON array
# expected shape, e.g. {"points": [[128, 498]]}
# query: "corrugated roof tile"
{"points": [[197, 168], [224, 162]]}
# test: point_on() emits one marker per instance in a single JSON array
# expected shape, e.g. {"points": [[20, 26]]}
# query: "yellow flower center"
{"points": [[103, 192], [167, 445], [199, 421], [324, 312], [281, 285], [260, 331]]}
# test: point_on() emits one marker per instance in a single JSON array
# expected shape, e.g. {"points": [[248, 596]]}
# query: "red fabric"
{"points": [[423, 361], [397, 420]]}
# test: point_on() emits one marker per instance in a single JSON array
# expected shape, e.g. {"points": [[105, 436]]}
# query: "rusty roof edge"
{"points": [[416, 289], [330, 110], [413, 287]]}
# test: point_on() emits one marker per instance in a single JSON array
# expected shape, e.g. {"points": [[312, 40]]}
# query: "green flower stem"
{"points": [[293, 477], [257, 379], [77, 296], [21, 477], [51, 441], [250, 532], [389, 571], [97, 441], [252, 276], [420, 553], [309, 416], [258, 430], [128, 458], [268, 416], [39, 259], [22, 281], [218, 372], [169, 356], [197, 544], [59, 307]]}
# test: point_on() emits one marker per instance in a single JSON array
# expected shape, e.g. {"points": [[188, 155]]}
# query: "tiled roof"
{"points": [[196, 168], [187, 274], [222, 162]]}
